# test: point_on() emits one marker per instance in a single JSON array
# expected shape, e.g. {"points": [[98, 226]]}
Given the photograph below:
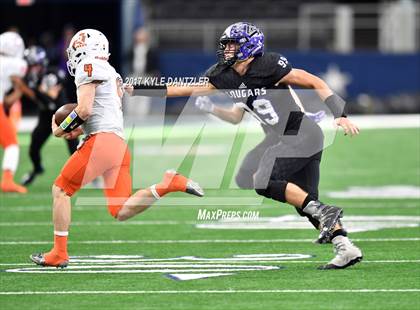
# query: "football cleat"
{"points": [[12, 187], [347, 254], [329, 217], [39, 259], [176, 182], [29, 177], [194, 188]]}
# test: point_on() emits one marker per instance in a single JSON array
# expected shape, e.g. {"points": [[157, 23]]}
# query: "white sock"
{"points": [[61, 233], [11, 158], [154, 192]]}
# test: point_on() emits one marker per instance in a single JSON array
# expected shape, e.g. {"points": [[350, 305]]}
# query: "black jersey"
{"points": [[40, 85], [256, 91]]}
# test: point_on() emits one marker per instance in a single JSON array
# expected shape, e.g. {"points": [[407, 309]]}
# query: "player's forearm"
{"points": [[227, 115], [168, 90], [321, 88], [85, 100], [83, 109], [185, 91], [312, 81], [305, 79], [15, 95]]}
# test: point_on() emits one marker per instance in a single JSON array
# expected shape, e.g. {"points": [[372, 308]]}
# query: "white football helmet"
{"points": [[86, 43], [11, 44]]}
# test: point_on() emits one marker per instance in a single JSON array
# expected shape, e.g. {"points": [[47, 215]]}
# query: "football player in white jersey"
{"points": [[12, 67], [104, 152]]}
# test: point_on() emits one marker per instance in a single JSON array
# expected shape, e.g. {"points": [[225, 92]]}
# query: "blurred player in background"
{"points": [[12, 69], [104, 151], [44, 86], [276, 168]]}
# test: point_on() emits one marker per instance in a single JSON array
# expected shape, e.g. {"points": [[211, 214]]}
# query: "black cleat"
{"points": [[29, 177], [328, 217], [39, 259]]}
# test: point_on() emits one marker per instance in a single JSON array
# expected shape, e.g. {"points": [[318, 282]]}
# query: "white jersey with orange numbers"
{"points": [[106, 113], [9, 67]]}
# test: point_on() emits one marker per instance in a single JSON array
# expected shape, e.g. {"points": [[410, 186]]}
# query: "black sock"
{"points": [[339, 232], [308, 199]]}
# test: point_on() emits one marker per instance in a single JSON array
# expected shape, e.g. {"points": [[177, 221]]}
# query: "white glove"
{"points": [[317, 116], [204, 104]]}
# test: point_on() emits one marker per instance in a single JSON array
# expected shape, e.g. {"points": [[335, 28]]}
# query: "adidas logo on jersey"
{"points": [[242, 85]]}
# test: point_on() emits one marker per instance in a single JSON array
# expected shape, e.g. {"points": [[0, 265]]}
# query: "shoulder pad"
{"points": [[90, 70]]}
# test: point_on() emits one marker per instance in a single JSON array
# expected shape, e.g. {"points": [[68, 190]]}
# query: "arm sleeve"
{"points": [[90, 70]]}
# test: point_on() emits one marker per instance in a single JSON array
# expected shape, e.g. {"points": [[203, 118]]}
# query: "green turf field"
{"points": [[164, 242]]}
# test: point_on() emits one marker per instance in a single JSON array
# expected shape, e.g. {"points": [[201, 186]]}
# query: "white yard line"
{"points": [[100, 223], [205, 241], [182, 264], [280, 291]]}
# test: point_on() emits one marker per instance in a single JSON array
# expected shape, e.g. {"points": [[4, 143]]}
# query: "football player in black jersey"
{"points": [[285, 165], [43, 85]]}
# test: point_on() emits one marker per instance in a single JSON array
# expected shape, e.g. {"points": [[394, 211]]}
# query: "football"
{"points": [[63, 111]]}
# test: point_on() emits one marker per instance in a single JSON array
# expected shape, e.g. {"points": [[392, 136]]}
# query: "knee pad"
{"points": [[275, 190]]}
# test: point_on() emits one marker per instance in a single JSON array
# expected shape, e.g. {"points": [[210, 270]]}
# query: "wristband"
{"points": [[72, 121], [158, 90], [336, 106]]}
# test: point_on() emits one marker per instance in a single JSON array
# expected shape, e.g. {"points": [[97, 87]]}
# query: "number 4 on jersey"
{"points": [[88, 68]]}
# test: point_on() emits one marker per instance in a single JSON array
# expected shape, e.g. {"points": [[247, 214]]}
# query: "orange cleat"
{"points": [[12, 187], [9, 186], [50, 259]]}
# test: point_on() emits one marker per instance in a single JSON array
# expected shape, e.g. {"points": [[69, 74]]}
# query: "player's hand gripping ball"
{"points": [[63, 112]]}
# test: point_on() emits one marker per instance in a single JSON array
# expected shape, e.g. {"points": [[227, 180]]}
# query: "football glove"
{"points": [[204, 104]]}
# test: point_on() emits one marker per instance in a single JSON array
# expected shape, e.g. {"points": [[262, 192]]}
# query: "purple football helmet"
{"points": [[249, 38]]}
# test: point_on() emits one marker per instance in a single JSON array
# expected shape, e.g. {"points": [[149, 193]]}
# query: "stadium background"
{"points": [[368, 52]]}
